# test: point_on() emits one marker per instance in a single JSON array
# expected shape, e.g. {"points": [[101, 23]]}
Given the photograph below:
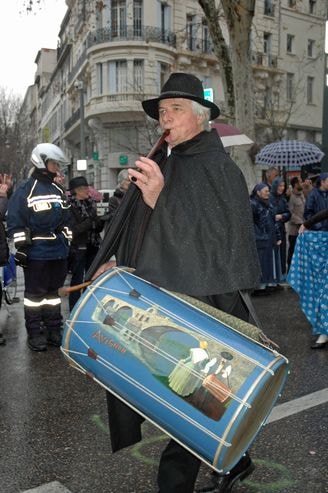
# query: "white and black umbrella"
{"points": [[289, 154]]}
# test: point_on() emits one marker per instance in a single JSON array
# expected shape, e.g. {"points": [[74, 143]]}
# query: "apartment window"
{"points": [[118, 23], [291, 3], [138, 75], [117, 76], [191, 34], [137, 17], [268, 8], [309, 90], [164, 12], [312, 4], [99, 78], [310, 48], [162, 75], [267, 37], [290, 87], [121, 76], [267, 100], [290, 43], [205, 37]]}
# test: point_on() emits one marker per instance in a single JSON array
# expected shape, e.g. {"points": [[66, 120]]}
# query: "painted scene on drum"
{"points": [[200, 370]]}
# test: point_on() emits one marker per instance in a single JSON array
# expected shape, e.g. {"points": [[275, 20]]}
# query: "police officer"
{"points": [[38, 218]]}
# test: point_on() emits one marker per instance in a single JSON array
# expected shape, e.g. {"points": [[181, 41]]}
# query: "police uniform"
{"points": [[38, 217]]}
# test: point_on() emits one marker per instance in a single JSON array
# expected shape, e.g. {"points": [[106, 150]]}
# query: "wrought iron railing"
{"points": [[129, 33]]}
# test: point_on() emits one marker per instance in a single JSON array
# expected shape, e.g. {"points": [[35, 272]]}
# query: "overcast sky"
{"points": [[21, 37]]}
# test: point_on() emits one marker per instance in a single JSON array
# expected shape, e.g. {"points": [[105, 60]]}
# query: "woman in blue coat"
{"points": [[266, 235], [282, 214]]}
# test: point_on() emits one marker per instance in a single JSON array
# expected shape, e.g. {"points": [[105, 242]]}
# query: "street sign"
{"points": [[95, 155], [81, 164], [123, 159], [208, 94]]}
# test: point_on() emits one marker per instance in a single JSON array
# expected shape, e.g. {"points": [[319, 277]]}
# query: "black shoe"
{"points": [[2, 340], [224, 484], [319, 345], [54, 338], [37, 342]]}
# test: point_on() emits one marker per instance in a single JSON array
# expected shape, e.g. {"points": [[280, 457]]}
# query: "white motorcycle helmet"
{"points": [[42, 153]]}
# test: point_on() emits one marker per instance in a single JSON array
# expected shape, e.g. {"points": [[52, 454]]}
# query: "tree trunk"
{"points": [[238, 16]]}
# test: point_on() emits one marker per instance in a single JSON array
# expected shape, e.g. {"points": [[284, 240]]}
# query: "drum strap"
{"points": [[248, 302]]}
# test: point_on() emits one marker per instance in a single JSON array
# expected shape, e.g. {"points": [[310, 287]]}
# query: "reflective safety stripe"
{"points": [[19, 237], [67, 233], [49, 236], [45, 301], [41, 203]]}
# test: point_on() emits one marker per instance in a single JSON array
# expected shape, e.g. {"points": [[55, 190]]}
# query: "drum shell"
{"points": [[215, 424]]}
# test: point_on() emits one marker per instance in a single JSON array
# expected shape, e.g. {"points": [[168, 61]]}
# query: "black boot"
{"points": [[37, 342], [225, 483]]}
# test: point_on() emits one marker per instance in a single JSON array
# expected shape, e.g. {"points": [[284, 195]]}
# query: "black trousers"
{"points": [[178, 468], [42, 303], [292, 242]]}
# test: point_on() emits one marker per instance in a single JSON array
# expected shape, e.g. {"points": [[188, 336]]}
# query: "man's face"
{"points": [[273, 173], [176, 115], [324, 185], [299, 186], [82, 192], [53, 166]]}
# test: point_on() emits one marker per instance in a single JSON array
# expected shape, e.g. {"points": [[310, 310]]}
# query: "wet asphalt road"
{"points": [[53, 421]]}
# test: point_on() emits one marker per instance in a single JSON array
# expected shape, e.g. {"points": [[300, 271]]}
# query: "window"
{"points": [[138, 75], [117, 76], [121, 76], [205, 37], [191, 35], [99, 78], [312, 4], [291, 3], [164, 19], [267, 101], [137, 17], [118, 23], [290, 43], [267, 43], [309, 90], [290, 87], [268, 8], [162, 75], [310, 48]]}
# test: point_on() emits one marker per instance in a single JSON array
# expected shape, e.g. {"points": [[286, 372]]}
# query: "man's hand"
{"points": [[103, 268], [302, 228], [149, 179]]}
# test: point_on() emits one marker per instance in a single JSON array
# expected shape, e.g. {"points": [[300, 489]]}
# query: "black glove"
{"points": [[21, 258]]}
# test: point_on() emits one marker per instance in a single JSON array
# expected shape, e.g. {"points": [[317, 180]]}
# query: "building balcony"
{"points": [[266, 60], [147, 34]]}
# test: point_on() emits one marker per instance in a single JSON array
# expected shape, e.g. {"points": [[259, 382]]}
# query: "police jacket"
{"points": [[38, 218]]}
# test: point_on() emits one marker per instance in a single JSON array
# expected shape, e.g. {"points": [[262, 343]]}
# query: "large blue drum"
{"points": [[202, 382]]}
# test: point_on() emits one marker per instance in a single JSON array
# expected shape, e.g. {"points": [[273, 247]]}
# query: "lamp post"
{"points": [[324, 161], [79, 86]]}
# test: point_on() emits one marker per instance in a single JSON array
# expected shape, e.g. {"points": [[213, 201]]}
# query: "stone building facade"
{"points": [[112, 54]]}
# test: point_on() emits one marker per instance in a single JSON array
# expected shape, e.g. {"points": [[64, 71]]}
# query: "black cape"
{"points": [[199, 239]]}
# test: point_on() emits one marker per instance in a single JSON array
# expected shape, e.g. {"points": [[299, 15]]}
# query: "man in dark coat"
{"points": [[190, 231]]}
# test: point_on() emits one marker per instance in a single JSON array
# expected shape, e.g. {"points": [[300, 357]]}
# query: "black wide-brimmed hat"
{"points": [[78, 181], [180, 85]]}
